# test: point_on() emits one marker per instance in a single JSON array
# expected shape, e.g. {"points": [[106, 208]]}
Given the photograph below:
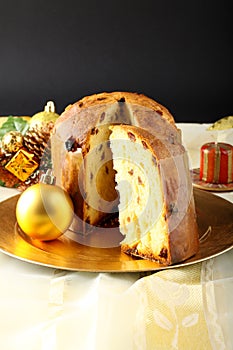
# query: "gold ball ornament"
{"points": [[12, 141], [44, 211], [46, 116]]}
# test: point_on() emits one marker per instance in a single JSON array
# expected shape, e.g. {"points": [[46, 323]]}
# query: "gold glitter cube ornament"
{"points": [[12, 141], [22, 165]]}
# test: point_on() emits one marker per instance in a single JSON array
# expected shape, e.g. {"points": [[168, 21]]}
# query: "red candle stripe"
{"points": [[216, 162]]}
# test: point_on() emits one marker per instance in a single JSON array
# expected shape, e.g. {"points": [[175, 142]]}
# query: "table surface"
{"points": [[181, 308]]}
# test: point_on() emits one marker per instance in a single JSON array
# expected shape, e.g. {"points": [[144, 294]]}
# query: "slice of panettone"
{"points": [[156, 211]]}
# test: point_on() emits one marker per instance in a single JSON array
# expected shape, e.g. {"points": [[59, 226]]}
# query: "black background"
{"points": [[177, 52]]}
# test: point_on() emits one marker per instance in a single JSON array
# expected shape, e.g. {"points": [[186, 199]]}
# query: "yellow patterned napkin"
{"points": [[173, 310]]}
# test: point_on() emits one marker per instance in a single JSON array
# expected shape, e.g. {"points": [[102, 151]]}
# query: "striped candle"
{"points": [[216, 163]]}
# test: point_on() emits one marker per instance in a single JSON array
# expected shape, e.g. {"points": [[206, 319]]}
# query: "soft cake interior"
{"points": [[141, 208], [96, 179], [98, 190], [97, 176]]}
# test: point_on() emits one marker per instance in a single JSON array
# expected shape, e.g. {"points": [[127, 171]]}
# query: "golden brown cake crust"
{"points": [[130, 97], [79, 118]]}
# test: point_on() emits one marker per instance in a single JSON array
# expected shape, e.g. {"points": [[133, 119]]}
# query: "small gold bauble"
{"points": [[222, 124], [44, 117], [44, 211], [12, 141]]}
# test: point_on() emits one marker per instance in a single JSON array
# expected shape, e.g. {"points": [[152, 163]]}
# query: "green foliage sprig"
{"points": [[14, 124]]}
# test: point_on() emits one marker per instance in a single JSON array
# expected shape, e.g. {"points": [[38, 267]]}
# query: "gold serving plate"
{"points": [[215, 221]]}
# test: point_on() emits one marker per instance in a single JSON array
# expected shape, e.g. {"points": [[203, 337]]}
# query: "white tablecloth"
{"points": [[182, 308]]}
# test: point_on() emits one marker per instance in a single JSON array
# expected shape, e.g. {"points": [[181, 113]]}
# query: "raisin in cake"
{"points": [[82, 151]]}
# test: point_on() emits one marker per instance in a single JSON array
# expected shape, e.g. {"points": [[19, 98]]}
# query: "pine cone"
{"points": [[37, 139]]}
